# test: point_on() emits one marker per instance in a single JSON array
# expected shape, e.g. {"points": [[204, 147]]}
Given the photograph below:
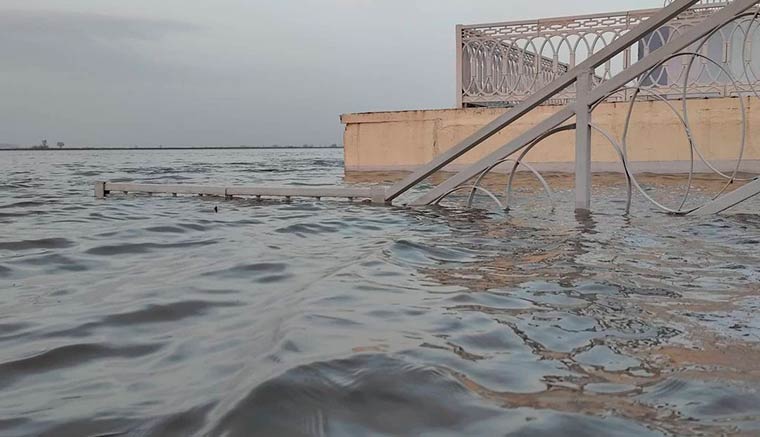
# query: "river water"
{"points": [[157, 316]]}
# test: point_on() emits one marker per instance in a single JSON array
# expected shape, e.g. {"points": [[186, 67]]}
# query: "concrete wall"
{"points": [[657, 141]]}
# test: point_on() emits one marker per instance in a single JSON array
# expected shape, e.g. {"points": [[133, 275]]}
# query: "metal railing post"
{"points": [[100, 190], [583, 140], [460, 73]]}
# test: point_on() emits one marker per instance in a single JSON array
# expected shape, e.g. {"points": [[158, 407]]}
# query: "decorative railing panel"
{"points": [[501, 64]]}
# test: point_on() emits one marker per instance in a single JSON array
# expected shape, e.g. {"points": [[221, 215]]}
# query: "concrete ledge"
{"points": [[416, 115], [658, 167], [406, 140]]}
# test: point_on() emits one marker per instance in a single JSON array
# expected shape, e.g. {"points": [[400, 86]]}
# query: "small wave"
{"points": [[185, 423], [345, 397], [247, 269], [137, 248], [91, 427], [56, 262], [166, 229], [163, 313], [149, 315], [87, 173], [263, 273], [45, 243], [263, 170], [419, 253], [302, 229], [67, 356], [193, 226], [8, 330], [24, 204], [21, 214]]}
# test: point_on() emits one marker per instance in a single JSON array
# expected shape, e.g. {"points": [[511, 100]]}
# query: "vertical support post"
{"points": [[583, 140], [100, 190], [460, 73], [377, 194]]}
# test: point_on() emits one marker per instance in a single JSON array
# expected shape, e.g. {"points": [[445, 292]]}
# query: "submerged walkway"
{"points": [[376, 195]]}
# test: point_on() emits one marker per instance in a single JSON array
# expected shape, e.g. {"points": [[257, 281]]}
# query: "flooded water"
{"points": [[157, 316]]}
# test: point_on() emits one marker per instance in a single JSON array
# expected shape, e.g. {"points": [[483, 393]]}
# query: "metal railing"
{"points": [[501, 64], [589, 88]]}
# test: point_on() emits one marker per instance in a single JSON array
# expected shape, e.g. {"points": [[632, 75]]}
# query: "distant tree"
{"points": [[60, 144], [44, 144], [334, 146]]}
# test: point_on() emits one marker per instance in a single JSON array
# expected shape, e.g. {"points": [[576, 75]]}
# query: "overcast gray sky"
{"points": [[231, 72]]}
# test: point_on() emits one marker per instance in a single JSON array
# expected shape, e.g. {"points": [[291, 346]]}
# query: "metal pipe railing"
{"points": [[502, 64], [542, 96], [715, 22]]}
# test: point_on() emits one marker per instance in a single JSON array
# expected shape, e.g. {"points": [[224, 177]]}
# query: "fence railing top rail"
{"points": [[560, 19], [547, 22]]}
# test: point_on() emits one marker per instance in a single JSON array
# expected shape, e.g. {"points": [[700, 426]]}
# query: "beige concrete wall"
{"points": [[656, 141]]}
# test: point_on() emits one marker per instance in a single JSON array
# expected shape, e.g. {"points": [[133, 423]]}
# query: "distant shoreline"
{"points": [[29, 149]]}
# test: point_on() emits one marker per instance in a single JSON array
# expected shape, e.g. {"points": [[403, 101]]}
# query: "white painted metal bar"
{"points": [[164, 189], [716, 19], [376, 194], [300, 192], [583, 141], [730, 200], [617, 46]]}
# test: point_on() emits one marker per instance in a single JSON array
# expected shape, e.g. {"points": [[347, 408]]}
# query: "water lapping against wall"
{"points": [[148, 316]]}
